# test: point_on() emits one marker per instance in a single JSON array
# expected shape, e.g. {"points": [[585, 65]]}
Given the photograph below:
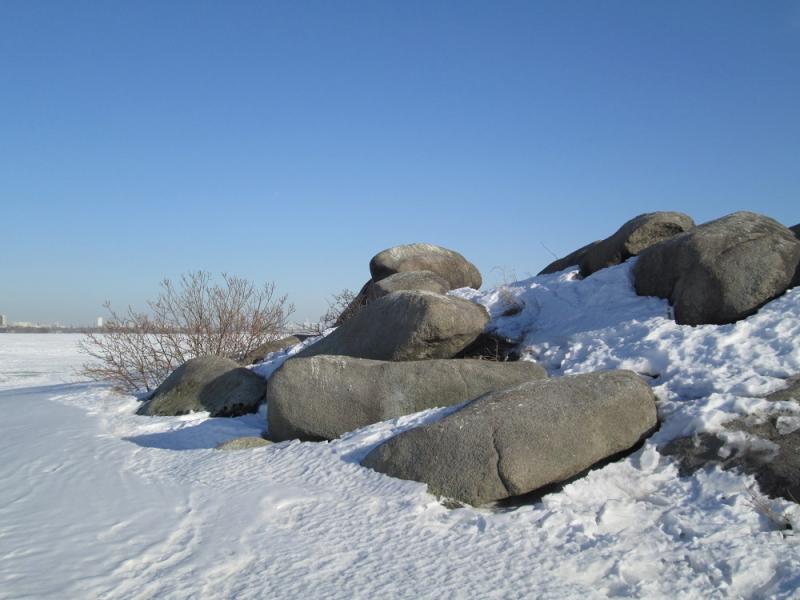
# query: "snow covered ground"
{"points": [[97, 502]]}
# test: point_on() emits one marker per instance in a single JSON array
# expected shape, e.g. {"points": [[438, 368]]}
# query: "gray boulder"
{"points": [[448, 264], [244, 443], [258, 354], [722, 271], [633, 237], [406, 326], [517, 440], [208, 383], [324, 397], [419, 281], [796, 230]]}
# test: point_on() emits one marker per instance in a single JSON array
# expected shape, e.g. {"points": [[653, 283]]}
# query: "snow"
{"points": [[97, 502]]}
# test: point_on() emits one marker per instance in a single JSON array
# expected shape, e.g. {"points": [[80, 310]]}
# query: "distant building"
{"points": [[3, 321], [99, 321]]}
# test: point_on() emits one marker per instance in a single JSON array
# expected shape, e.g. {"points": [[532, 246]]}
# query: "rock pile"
{"points": [[517, 431]]}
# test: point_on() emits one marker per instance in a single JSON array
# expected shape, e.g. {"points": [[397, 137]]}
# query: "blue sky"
{"points": [[292, 141]]}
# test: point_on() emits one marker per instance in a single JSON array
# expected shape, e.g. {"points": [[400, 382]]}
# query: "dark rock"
{"points": [[413, 281], [790, 392], [796, 230], [491, 346], [324, 397], [517, 440], [448, 264], [722, 271], [258, 355], [632, 238], [570, 260], [363, 297], [244, 443], [406, 326], [208, 383], [770, 451], [629, 240]]}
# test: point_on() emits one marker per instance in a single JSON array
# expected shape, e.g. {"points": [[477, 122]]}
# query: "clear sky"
{"points": [[292, 141]]}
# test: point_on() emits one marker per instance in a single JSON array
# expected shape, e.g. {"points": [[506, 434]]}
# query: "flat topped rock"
{"points": [[520, 439], [406, 326], [448, 264], [721, 271], [323, 397], [208, 383]]}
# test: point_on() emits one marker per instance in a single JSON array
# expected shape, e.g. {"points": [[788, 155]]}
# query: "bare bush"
{"points": [[196, 317], [338, 305]]}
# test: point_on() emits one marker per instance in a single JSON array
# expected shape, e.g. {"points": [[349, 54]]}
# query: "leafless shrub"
{"points": [[338, 305], [196, 317]]}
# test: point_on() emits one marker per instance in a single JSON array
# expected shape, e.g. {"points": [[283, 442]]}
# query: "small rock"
{"points": [[244, 443], [257, 355], [208, 383]]}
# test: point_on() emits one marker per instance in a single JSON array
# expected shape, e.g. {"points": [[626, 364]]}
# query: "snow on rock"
{"points": [[703, 374]]}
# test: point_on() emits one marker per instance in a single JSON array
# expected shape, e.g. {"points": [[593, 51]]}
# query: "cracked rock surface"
{"points": [[519, 439]]}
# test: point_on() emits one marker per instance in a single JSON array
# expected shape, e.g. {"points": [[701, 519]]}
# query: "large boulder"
{"points": [[448, 264], [208, 383], [633, 237], [406, 326], [517, 440], [324, 397], [722, 271]]}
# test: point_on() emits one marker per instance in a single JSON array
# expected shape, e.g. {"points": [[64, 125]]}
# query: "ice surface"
{"points": [[97, 502]]}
